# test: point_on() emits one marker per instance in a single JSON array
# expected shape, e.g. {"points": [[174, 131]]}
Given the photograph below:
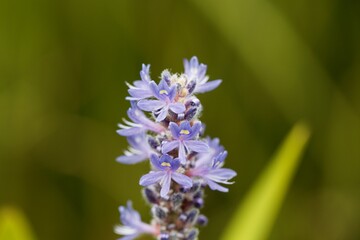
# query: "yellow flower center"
{"points": [[165, 164], [163, 92], [184, 131]]}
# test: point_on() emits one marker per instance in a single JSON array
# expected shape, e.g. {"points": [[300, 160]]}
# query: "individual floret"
{"points": [[166, 169], [132, 225]]}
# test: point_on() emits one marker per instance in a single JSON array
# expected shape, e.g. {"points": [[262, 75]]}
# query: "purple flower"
{"points": [[184, 135], [138, 151], [140, 123], [196, 74], [141, 88], [206, 158], [166, 170], [165, 100], [132, 225], [214, 174]]}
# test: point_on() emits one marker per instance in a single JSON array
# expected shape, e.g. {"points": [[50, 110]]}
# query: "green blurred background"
{"points": [[63, 64]]}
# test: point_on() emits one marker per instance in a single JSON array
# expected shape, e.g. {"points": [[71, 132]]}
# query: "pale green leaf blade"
{"points": [[256, 215], [14, 225]]}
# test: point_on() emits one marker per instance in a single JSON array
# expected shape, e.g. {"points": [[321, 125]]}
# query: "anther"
{"points": [[165, 164], [163, 92], [185, 132]]}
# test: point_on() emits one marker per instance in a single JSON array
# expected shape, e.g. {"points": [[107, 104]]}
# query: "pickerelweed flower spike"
{"points": [[166, 129]]}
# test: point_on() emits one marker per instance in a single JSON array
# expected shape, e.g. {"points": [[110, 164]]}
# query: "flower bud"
{"points": [[191, 86], [176, 200], [192, 216], [199, 202], [202, 220], [159, 212], [150, 196], [192, 235]]}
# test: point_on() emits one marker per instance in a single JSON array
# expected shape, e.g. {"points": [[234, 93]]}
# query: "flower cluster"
{"points": [[165, 128]]}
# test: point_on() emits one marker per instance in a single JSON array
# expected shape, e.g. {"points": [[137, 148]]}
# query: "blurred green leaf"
{"points": [[14, 225], [256, 215], [272, 48]]}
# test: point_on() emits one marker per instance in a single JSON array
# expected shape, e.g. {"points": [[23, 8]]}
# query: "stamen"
{"points": [[184, 131], [165, 164], [184, 92], [163, 92]]}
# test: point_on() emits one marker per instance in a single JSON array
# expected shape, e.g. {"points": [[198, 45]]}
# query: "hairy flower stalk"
{"points": [[165, 129]]}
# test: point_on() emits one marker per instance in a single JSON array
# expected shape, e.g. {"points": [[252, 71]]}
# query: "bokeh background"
{"points": [[63, 64]]}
